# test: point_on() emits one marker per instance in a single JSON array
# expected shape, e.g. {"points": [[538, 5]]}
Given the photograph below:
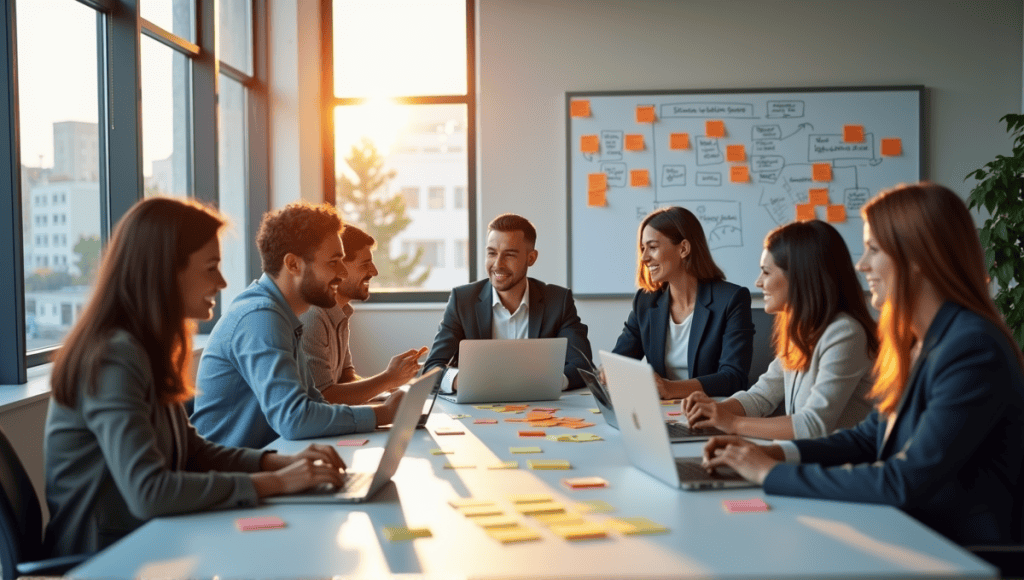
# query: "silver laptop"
{"points": [[505, 371], [635, 398], [360, 487]]}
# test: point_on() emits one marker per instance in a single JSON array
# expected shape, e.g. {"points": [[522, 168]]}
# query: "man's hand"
{"points": [[385, 413], [403, 367], [314, 465], [751, 461]]}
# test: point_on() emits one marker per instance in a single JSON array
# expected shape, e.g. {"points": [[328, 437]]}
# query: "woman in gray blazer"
{"points": [[825, 343], [119, 448]]}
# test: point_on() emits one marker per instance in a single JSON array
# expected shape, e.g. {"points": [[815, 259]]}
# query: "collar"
{"points": [[525, 302], [268, 284]]}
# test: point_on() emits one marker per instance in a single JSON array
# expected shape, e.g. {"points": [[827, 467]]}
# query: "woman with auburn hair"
{"points": [[693, 327], [119, 448], [946, 440], [824, 339]]}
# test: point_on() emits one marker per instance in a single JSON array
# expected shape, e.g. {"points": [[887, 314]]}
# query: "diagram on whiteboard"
{"points": [[743, 163]]}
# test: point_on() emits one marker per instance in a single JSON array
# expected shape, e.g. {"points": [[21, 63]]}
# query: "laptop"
{"points": [[360, 487], [505, 371], [635, 397], [435, 388]]}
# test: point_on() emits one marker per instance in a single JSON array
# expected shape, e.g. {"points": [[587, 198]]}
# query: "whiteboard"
{"points": [[783, 138]]}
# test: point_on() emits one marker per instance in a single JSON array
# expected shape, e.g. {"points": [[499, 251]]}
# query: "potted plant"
{"points": [[1000, 190]]}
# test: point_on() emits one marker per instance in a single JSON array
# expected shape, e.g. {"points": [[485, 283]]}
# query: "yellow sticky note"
{"points": [[440, 452], [853, 133], [579, 108], [459, 466], [634, 142], [525, 450], [513, 535], [530, 498], [631, 526], [596, 198], [836, 214], [804, 212], [505, 465], [496, 521], [645, 114], [679, 141], [561, 519], [739, 174], [595, 411], [639, 178], [714, 129], [469, 502], [584, 531], [892, 146], [596, 507], [480, 511], [549, 464], [735, 153], [817, 196], [821, 172], [590, 144], [398, 534], [548, 507]]}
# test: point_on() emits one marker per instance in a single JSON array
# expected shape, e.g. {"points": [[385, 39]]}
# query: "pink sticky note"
{"points": [[484, 421], [260, 523], [674, 413], [744, 505], [352, 442]]}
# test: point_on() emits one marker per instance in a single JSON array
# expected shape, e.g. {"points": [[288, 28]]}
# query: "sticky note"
{"points": [[547, 507], [597, 181], [579, 108], [459, 416], [836, 214], [518, 498], [634, 142], [481, 511], [674, 413], [525, 450], [459, 466], [537, 415], [484, 421], [595, 506], [546, 409], [735, 153], [581, 425], [817, 196], [892, 146], [501, 521], [486, 407], [515, 420], [645, 114], [679, 141], [739, 174], [584, 531], [469, 502], [590, 144], [632, 526], [597, 198], [821, 172], [804, 212], [549, 464], [714, 129], [259, 523], [744, 505], [532, 433], [558, 519], [448, 431], [853, 133], [639, 178], [595, 411], [352, 442], [400, 534], [440, 452], [513, 535], [505, 465], [584, 482]]}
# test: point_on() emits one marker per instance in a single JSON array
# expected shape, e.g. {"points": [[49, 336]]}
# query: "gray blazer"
{"points": [[830, 395], [120, 458]]}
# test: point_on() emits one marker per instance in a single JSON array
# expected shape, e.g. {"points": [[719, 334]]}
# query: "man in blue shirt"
{"points": [[254, 383]]}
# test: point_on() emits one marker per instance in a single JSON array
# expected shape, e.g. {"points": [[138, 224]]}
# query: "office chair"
{"points": [[21, 524]]}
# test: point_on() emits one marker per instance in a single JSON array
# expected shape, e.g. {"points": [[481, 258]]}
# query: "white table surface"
{"points": [[796, 538]]}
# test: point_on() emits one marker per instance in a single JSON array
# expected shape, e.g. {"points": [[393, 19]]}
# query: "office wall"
{"points": [[967, 54]]}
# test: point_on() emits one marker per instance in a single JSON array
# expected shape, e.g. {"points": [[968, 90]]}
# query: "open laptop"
{"points": [[360, 487], [505, 371], [635, 397]]}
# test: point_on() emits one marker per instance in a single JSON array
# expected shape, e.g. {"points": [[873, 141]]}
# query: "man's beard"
{"points": [[311, 292]]}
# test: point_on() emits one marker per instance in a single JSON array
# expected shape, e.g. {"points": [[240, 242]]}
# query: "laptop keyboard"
{"points": [[353, 481], [681, 430]]}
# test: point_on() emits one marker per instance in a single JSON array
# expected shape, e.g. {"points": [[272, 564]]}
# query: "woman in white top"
{"points": [[825, 343]]}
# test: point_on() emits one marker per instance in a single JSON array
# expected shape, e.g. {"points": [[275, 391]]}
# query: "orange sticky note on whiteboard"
{"points": [[821, 172], [679, 141], [579, 108], [739, 174], [645, 114], [634, 142], [597, 198], [892, 146], [735, 153], [836, 214], [597, 181], [589, 144], [714, 129], [804, 211], [639, 178], [853, 133], [818, 196]]}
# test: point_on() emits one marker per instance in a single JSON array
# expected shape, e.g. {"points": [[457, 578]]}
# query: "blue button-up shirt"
{"points": [[254, 383]]}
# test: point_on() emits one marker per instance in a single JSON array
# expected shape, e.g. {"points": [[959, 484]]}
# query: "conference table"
{"points": [[794, 538]]}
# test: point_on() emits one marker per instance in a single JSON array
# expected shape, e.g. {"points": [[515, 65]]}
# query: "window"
{"points": [[166, 138], [461, 254], [459, 197], [403, 122]]}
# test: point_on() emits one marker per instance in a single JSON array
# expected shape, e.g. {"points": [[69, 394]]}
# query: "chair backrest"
{"points": [[21, 519], [764, 353]]}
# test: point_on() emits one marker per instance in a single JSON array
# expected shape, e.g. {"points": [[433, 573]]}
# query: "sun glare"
{"points": [[380, 120]]}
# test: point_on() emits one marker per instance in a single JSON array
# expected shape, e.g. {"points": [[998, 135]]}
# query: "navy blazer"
{"points": [[721, 335], [552, 315], [954, 456]]}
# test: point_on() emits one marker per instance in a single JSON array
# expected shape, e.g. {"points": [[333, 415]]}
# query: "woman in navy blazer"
{"points": [[684, 297], [946, 440]]}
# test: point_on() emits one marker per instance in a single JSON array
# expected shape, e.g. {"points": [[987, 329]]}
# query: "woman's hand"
{"points": [[751, 461], [315, 465], [668, 389], [703, 413]]}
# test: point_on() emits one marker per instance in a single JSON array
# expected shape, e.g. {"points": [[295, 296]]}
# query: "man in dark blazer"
{"points": [[508, 304]]}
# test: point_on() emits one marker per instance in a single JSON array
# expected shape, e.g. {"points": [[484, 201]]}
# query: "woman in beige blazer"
{"points": [[825, 343]]}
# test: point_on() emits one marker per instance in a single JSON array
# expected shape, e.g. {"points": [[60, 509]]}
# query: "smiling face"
{"points": [[201, 280], [773, 282], [322, 275], [878, 269], [360, 267], [662, 258], [509, 255]]}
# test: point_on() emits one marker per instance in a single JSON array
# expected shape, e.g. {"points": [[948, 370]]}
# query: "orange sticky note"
{"points": [[597, 181], [589, 144], [735, 153], [892, 146], [853, 133], [821, 172], [818, 196], [645, 114], [579, 108], [714, 129], [634, 142], [804, 212], [679, 141], [639, 178], [739, 174], [595, 198], [836, 214]]}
